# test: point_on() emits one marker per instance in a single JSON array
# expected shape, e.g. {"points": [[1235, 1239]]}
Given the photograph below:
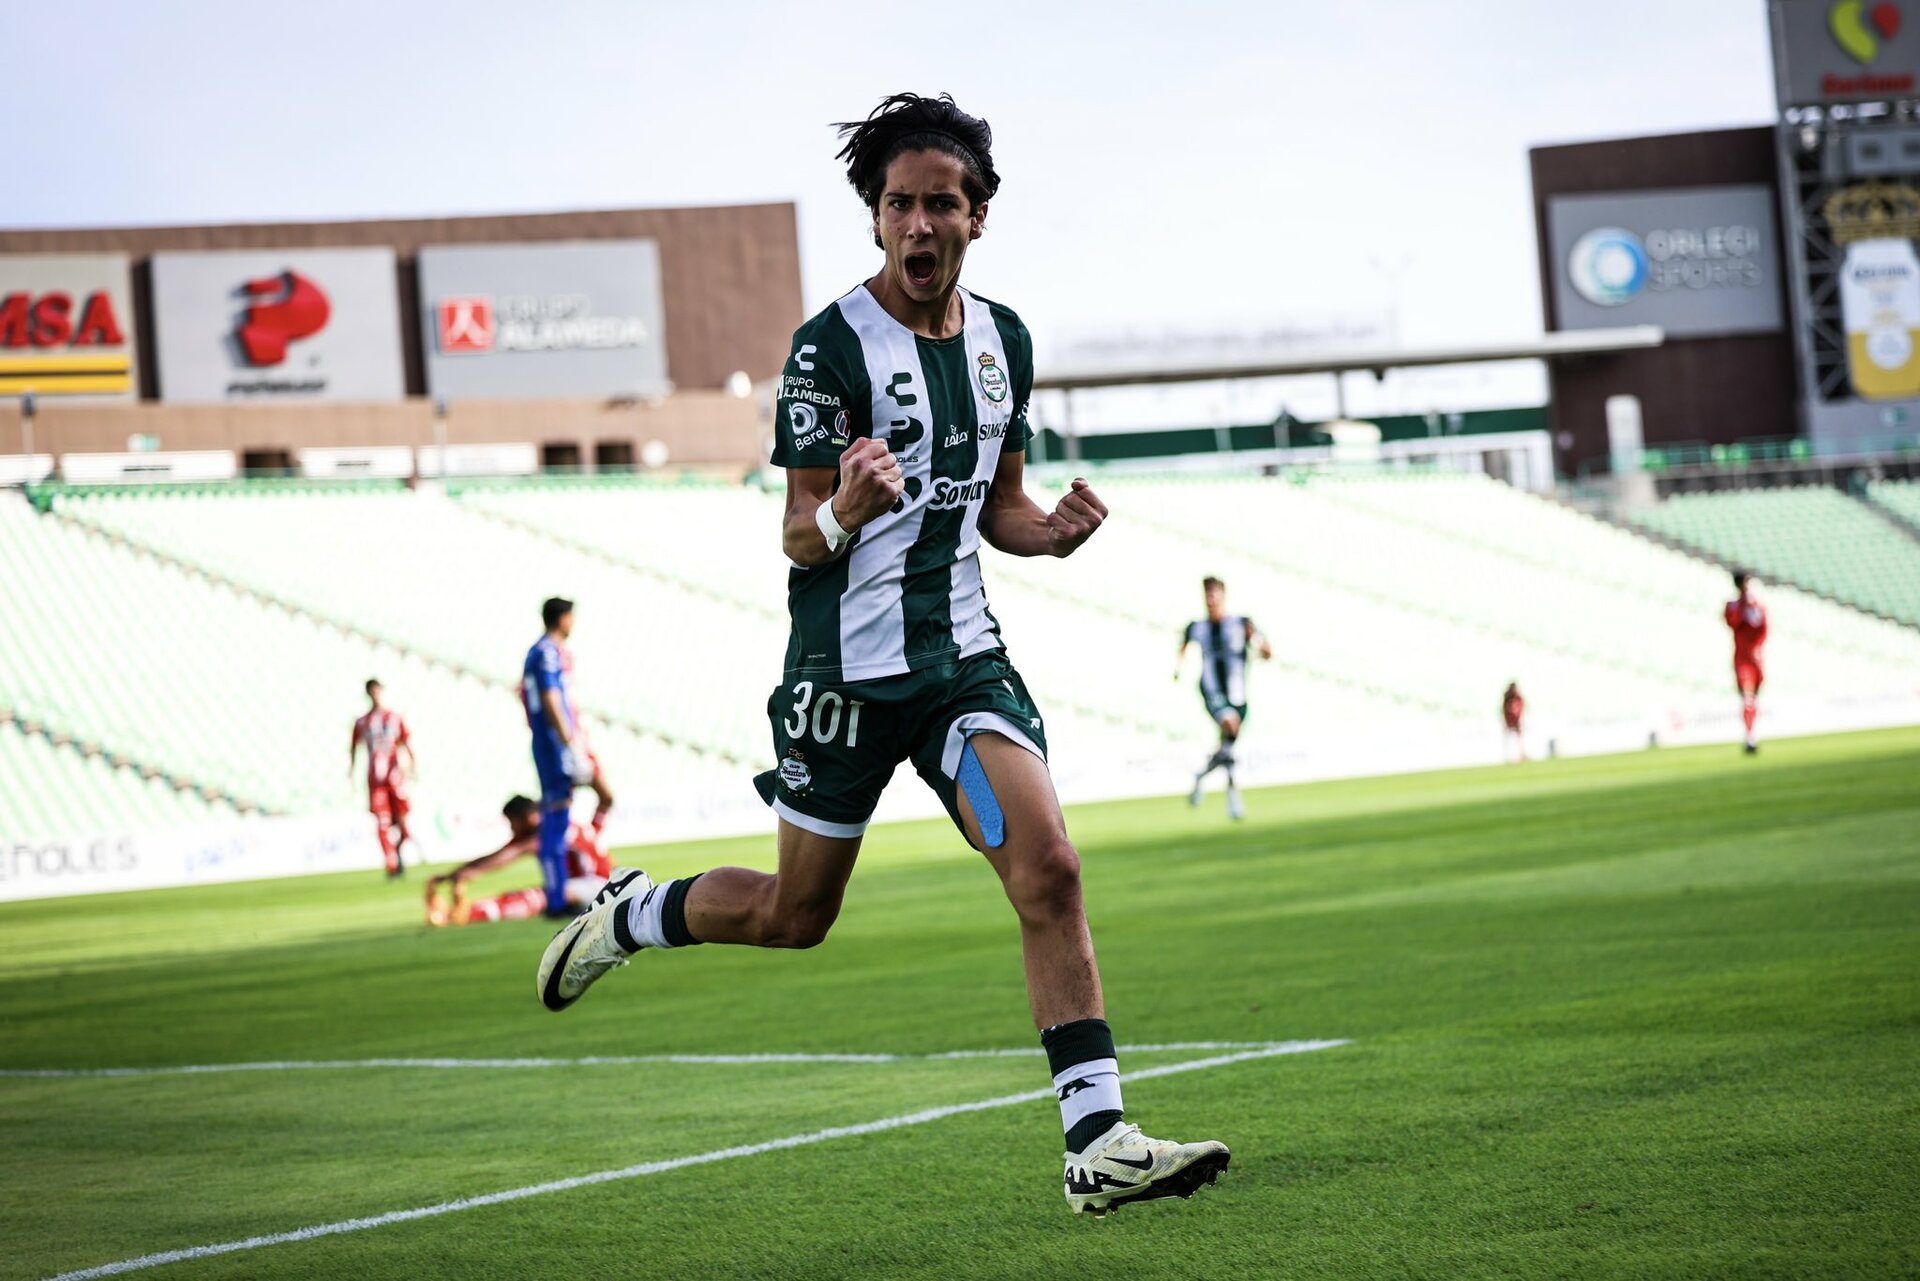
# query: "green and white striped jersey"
{"points": [[907, 594]]}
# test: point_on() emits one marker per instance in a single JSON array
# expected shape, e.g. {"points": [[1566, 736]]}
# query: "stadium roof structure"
{"points": [[1555, 346]]}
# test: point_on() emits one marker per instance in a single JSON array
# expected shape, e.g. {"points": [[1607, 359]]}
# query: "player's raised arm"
{"points": [[1018, 526], [821, 522]]}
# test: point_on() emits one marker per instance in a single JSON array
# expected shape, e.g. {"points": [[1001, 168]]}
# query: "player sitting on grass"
{"points": [[902, 425], [588, 868]]}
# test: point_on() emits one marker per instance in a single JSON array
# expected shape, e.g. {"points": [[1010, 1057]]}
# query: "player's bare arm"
{"points": [[1018, 526], [514, 849], [1257, 641], [870, 484], [353, 749]]}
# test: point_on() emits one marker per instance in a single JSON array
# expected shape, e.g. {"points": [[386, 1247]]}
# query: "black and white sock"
{"points": [[657, 918], [1086, 1077]]}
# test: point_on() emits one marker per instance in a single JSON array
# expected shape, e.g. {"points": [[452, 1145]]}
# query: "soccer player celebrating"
{"points": [[384, 734], [1747, 618], [902, 426], [1224, 641], [560, 755], [1512, 708], [588, 868]]}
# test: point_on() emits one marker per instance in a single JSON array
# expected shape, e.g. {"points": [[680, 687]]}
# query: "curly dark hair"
{"points": [[908, 122]]}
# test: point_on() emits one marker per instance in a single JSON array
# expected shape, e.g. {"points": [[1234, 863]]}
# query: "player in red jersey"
{"points": [[1747, 618], [1512, 708], [588, 868], [385, 735]]}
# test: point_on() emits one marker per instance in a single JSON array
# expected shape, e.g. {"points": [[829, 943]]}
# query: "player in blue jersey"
{"points": [[560, 754]]}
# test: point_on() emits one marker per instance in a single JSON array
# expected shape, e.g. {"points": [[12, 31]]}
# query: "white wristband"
{"points": [[829, 527]]}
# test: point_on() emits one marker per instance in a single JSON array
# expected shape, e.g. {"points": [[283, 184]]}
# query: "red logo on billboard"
{"points": [[293, 308], [466, 324], [49, 320]]}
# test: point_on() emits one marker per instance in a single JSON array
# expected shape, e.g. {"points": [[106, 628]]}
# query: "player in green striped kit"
{"points": [[902, 425]]}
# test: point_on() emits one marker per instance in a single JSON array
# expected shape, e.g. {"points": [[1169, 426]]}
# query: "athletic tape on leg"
{"points": [[986, 808]]}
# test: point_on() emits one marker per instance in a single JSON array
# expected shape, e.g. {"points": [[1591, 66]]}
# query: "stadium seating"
{"points": [[44, 781], [1399, 606], [228, 691], [1899, 497], [1813, 536]]}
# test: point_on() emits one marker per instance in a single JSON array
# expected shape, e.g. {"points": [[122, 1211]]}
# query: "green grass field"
{"points": [[1651, 1015]]}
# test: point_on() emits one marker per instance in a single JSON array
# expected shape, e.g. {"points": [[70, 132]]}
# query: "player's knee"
{"points": [[1044, 882], [798, 927]]}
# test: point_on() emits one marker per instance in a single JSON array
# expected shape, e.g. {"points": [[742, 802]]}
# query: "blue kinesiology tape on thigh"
{"points": [[972, 778]]}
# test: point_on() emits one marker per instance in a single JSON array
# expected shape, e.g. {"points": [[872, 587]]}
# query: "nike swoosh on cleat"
{"points": [[1137, 1165], [550, 996]]}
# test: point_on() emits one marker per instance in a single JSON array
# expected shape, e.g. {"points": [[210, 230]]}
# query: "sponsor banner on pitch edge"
{"points": [[1695, 261], [295, 324], [66, 325], [526, 320]]}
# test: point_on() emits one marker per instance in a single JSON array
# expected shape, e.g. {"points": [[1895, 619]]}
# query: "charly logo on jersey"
{"points": [[795, 775], [992, 380], [949, 494]]}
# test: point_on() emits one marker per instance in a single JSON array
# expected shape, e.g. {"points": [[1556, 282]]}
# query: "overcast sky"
{"points": [[1163, 163]]}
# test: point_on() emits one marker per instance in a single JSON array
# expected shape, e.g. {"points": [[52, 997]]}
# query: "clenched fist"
{"points": [[870, 483], [1074, 520]]}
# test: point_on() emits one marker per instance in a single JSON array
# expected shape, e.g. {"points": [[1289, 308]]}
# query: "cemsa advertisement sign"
{"points": [[1694, 260], [282, 325], [580, 318], [66, 325]]}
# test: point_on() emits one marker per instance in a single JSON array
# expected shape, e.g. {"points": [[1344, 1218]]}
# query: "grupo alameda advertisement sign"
{"points": [[1828, 51], [66, 325], [580, 318], [296, 324], [1695, 261]]}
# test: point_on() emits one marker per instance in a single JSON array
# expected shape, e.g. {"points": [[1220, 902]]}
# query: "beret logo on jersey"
{"points": [[992, 380], [794, 774]]}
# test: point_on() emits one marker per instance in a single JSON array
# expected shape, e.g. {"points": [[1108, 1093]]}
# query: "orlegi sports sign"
{"points": [[579, 318], [1694, 260], [66, 325], [296, 324], [1827, 51]]}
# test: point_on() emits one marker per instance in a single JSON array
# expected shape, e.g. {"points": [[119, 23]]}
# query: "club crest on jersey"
{"points": [[795, 776], [992, 380]]}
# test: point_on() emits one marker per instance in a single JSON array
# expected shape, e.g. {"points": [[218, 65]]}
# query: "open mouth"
{"points": [[919, 269]]}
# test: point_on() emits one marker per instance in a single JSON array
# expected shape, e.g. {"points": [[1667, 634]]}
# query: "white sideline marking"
{"points": [[615, 1060], [661, 1167]]}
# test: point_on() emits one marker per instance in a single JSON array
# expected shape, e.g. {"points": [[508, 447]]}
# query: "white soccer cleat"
{"points": [[1199, 790], [1125, 1165], [1236, 808], [592, 943]]}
